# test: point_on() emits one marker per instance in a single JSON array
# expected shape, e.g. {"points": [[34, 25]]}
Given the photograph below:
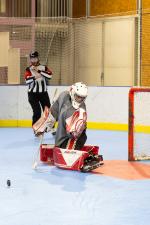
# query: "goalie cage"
{"points": [[139, 124]]}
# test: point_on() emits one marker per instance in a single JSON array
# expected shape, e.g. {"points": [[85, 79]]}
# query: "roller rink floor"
{"points": [[116, 194]]}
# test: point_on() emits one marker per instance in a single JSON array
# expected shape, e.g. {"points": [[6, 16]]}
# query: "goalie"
{"points": [[70, 112]]}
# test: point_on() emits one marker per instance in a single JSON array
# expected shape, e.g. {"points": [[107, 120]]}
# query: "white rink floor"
{"points": [[51, 196]]}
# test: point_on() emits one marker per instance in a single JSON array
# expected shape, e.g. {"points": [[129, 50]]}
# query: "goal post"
{"points": [[139, 124]]}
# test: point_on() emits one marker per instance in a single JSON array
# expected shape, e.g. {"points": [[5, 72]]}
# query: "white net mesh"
{"points": [[70, 47], [53, 38], [141, 148], [85, 49], [54, 42]]}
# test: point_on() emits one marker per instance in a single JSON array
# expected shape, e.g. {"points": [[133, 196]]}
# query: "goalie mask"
{"points": [[34, 58], [78, 93]]}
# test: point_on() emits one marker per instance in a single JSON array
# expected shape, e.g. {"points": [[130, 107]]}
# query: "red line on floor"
{"points": [[124, 170]]}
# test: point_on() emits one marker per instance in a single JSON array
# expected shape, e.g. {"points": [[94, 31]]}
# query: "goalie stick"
{"points": [[50, 43], [55, 95], [41, 137], [36, 157], [40, 125]]}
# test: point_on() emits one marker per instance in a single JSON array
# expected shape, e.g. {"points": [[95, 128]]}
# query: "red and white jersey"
{"points": [[75, 124], [37, 85]]}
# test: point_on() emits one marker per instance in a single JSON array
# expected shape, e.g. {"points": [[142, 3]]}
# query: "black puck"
{"points": [[8, 183]]}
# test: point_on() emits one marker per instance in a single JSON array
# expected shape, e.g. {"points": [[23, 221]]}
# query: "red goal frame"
{"points": [[132, 92]]}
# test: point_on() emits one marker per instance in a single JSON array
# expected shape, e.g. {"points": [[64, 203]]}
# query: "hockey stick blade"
{"points": [[36, 158], [34, 166]]}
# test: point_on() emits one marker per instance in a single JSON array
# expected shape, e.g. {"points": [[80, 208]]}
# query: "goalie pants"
{"points": [[38, 101], [78, 144]]}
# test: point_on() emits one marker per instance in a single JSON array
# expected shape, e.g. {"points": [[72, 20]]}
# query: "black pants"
{"points": [[79, 143], [38, 101]]}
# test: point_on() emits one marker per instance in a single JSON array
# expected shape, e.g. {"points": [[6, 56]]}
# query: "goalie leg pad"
{"points": [[46, 153], [91, 149], [77, 160], [69, 158]]}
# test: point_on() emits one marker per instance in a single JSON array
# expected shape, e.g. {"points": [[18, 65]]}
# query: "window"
{"points": [[2, 6]]}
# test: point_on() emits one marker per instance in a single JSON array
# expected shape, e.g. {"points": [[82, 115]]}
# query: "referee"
{"points": [[36, 76]]}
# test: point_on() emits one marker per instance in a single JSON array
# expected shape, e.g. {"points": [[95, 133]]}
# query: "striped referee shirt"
{"points": [[37, 85]]}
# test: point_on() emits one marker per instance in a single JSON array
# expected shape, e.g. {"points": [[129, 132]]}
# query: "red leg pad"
{"points": [[91, 149], [46, 153]]}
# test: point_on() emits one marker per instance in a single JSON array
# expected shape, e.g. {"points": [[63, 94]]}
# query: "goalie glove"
{"points": [[50, 123], [40, 125], [45, 123]]}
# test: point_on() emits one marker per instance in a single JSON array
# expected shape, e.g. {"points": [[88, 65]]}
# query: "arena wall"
{"points": [[107, 107]]}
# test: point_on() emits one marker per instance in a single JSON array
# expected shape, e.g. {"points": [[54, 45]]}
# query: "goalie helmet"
{"points": [[78, 94]]}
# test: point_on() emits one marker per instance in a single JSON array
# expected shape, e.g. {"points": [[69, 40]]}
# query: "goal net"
{"points": [[139, 124], [70, 47]]}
